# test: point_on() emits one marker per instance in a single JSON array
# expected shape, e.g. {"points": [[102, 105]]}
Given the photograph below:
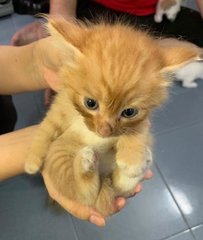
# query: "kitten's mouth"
{"points": [[105, 135], [105, 130]]}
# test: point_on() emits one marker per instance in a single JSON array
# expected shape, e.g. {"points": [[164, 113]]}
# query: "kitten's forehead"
{"points": [[121, 56], [114, 97]]}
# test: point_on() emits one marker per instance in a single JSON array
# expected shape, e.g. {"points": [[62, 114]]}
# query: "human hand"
{"points": [[28, 34], [85, 212]]}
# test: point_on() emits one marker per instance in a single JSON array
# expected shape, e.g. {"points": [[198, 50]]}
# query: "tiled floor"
{"points": [[170, 206]]}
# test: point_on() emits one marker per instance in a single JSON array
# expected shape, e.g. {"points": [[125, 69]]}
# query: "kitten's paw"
{"points": [[171, 17], [139, 167], [190, 84], [132, 171], [89, 159], [158, 18], [32, 167]]}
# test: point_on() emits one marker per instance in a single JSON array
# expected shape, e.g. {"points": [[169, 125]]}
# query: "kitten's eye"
{"points": [[91, 103], [129, 112]]}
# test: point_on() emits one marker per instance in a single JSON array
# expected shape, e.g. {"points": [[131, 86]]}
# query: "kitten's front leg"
{"points": [[48, 131], [133, 158], [89, 160], [86, 174]]}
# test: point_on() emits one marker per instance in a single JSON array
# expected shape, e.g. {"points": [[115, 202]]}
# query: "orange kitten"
{"points": [[94, 140]]}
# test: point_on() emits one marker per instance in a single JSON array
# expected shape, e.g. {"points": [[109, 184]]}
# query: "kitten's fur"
{"points": [[189, 73], [93, 156], [170, 8]]}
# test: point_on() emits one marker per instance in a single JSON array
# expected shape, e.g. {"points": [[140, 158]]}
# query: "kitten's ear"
{"points": [[178, 53], [52, 79], [67, 37]]}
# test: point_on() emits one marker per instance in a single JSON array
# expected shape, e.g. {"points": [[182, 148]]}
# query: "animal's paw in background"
{"points": [[158, 18], [190, 84]]}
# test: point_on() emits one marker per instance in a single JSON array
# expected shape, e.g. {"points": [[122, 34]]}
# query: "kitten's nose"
{"points": [[105, 129]]}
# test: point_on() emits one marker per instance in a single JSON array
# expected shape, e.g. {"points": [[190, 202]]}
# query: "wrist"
{"points": [[41, 57]]}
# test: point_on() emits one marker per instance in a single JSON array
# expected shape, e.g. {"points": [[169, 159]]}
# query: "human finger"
{"points": [[148, 174]]}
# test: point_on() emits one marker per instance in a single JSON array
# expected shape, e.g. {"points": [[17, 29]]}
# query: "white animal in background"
{"points": [[189, 73], [170, 8]]}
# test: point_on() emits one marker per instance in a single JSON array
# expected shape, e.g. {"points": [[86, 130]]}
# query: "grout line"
{"points": [[75, 229], [193, 234], [176, 234], [197, 226], [172, 195]]}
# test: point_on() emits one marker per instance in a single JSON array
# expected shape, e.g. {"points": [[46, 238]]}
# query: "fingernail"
{"points": [[120, 203], [95, 213], [149, 174], [138, 188], [97, 220]]}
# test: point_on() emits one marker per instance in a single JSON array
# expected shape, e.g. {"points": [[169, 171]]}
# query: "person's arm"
{"points": [[18, 70], [200, 6], [22, 68], [64, 8]]}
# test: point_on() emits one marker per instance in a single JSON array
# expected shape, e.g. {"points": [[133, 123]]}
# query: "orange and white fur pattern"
{"points": [[169, 8], [95, 139]]}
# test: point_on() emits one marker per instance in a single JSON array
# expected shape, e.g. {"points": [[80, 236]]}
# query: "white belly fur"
{"points": [[103, 146]]}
